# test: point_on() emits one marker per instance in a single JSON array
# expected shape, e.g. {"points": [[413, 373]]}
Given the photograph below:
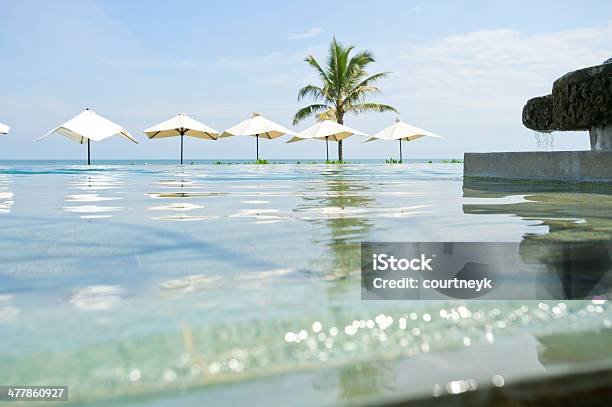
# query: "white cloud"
{"points": [[471, 87], [313, 32], [495, 68]]}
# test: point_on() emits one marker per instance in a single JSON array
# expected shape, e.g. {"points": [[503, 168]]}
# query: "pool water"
{"points": [[239, 284]]}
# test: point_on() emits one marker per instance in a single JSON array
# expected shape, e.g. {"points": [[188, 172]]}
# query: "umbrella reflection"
{"points": [[92, 184], [97, 297], [7, 197], [8, 311], [180, 208]]}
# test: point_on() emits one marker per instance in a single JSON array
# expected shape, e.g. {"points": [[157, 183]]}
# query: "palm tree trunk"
{"points": [[340, 120]]}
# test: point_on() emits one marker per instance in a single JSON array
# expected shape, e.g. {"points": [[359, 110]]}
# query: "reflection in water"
{"points": [[7, 197], [184, 194], [571, 347], [359, 380], [189, 284], [97, 297], [340, 205], [6, 201], [93, 183], [255, 202], [8, 311], [261, 216], [91, 209], [90, 198], [576, 247], [183, 188], [226, 301], [571, 212], [180, 207], [583, 268], [97, 182], [335, 212], [263, 275], [184, 218], [182, 183]]}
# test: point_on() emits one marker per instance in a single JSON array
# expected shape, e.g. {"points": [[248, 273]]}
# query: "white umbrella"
{"points": [[182, 125], [89, 126], [4, 129], [326, 130], [401, 131], [257, 126]]}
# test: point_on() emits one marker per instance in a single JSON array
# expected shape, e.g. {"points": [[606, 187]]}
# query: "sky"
{"points": [[460, 69]]}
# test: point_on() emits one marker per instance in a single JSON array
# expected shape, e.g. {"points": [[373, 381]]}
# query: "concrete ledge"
{"points": [[564, 166]]}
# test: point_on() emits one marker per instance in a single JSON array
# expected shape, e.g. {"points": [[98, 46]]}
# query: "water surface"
{"points": [[226, 283]]}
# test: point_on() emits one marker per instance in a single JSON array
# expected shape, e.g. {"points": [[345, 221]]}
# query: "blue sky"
{"points": [[460, 69]]}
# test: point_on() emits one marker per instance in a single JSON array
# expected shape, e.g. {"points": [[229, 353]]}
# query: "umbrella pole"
{"points": [[327, 148], [257, 145], [182, 134], [400, 150], [88, 152]]}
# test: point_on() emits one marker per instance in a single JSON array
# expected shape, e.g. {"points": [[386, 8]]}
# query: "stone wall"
{"points": [[564, 166]]}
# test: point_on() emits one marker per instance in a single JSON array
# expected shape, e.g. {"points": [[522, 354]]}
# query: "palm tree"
{"points": [[345, 87]]}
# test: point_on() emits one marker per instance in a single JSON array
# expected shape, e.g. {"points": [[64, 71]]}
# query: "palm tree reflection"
{"points": [[339, 209], [358, 381]]}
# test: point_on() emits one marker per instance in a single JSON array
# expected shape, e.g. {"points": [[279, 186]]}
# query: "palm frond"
{"points": [[360, 108], [343, 65], [360, 91], [312, 91], [371, 79], [315, 64], [337, 67], [356, 65], [308, 111], [361, 94]]}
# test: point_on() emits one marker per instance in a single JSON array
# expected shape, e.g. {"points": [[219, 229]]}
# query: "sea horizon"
{"points": [[153, 161]]}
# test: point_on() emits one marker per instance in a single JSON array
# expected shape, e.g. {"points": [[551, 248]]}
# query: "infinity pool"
{"points": [[240, 284]]}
